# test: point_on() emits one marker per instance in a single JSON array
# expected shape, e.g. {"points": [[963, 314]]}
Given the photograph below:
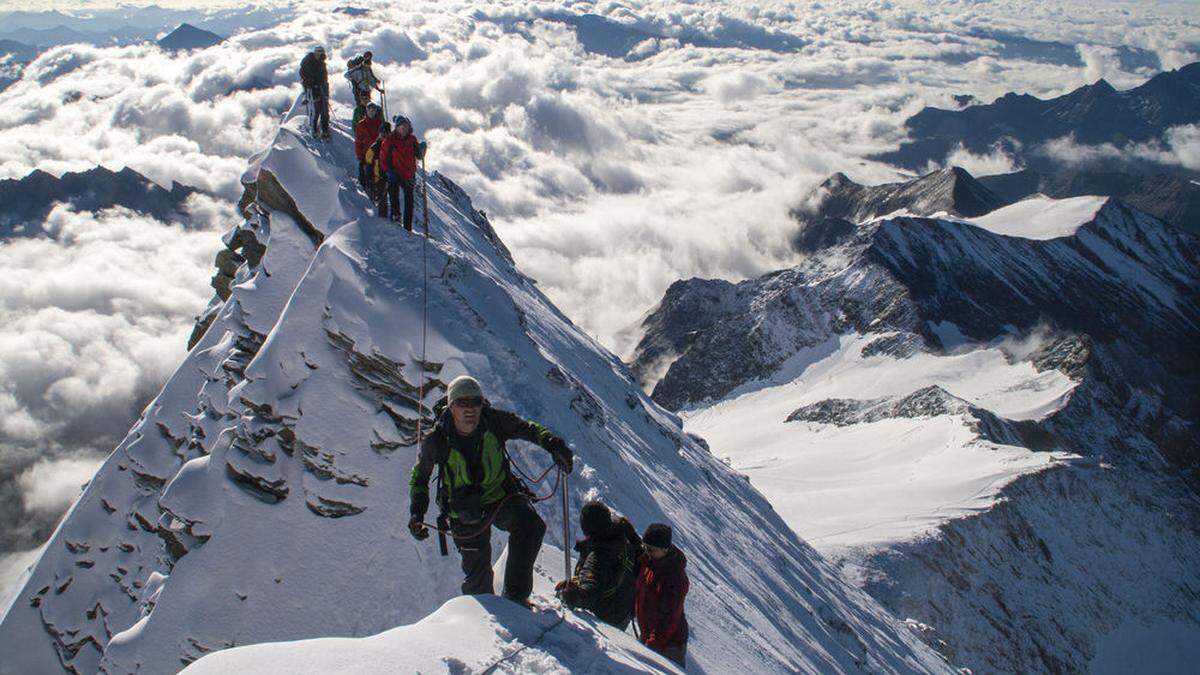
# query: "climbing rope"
{"points": [[492, 668], [424, 298]]}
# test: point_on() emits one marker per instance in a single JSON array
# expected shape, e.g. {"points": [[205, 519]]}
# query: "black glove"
{"points": [[416, 526], [421, 148], [561, 453]]}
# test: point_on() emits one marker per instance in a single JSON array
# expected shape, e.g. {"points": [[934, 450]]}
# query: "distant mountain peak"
{"points": [[839, 201], [187, 36]]}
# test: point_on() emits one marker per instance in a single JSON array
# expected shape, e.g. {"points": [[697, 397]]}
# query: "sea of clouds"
{"points": [[617, 146]]}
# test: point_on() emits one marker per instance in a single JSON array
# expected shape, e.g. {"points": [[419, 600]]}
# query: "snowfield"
{"points": [[861, 487], [1041, 217]]}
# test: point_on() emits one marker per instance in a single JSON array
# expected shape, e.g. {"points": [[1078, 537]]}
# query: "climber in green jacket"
{"points": [[478, 489]]}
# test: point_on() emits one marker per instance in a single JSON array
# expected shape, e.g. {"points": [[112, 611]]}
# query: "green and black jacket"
{"points": [[476, 462]]}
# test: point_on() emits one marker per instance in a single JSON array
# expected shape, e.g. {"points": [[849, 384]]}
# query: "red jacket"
{"points": [[662, 586], [365, 134], [400, 155]]}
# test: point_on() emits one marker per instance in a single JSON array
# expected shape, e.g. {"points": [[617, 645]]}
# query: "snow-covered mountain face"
{"points": [[990, 422], [262, 495]]}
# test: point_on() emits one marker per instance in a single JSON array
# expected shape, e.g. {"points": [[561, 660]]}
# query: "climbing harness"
{"points": [[523, 491]]}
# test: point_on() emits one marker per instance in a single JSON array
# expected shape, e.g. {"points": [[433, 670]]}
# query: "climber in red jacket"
{"points": [[400, 153], [364, 135], [662, 587]]}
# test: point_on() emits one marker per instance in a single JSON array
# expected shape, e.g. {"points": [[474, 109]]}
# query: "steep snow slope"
{"points": [[262, 495], [995, 435]]}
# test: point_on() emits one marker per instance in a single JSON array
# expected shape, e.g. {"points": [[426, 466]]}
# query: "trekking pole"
{"points": [[566, 526], [443, 525], [425, 196]]}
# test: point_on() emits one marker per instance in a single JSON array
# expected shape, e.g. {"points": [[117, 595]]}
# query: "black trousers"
{"points": [[397, 184], [525, 530]]}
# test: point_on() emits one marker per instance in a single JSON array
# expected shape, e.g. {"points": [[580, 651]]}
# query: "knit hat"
{"points": [[657, 535], [463, 386], [595, 519]]}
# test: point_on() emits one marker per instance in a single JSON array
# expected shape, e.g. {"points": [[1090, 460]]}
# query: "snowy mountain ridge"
{"points": [[260, 496]]}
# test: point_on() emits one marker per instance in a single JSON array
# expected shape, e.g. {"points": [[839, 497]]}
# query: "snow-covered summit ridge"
{"points": [[1041, 217], [261, 496]]}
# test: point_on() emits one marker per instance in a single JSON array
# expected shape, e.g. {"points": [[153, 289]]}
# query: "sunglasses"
{"points": [[469, 402]]}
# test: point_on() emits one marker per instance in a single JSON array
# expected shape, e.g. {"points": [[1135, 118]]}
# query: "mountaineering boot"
{"points": [[524, 603]]}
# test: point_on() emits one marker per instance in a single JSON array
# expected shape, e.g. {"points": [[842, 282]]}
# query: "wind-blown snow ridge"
{"points": [[261, 496], [480, 634], [1041, 217]]}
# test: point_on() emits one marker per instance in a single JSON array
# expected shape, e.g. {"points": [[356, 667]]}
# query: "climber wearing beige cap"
{"points": [[468, 446]]}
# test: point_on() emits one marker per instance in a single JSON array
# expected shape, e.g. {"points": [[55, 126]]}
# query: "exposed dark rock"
{"points": [[828, 213], [332, 508], [269, 491], [687, 308], [898, 345]]}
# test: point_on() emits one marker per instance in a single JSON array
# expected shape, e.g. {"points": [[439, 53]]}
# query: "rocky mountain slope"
{"points": [[259, 498], [1021, 124], [989, 422]]}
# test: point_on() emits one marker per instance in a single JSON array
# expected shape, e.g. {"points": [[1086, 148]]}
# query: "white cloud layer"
{"points": [[667, 142], [51, 486], [1179, 146]]}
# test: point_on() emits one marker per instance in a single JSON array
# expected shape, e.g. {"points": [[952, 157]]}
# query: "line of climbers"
{"points": [[387, 153], [620, 576]]}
